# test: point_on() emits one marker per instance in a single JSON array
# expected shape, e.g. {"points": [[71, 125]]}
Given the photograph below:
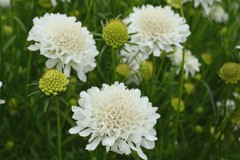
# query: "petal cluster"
{"points": [[117, 117], [191, 63], [157, 29], [65, 43]]}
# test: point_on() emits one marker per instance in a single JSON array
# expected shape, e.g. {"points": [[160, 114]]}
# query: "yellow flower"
{"points": [[115, 33], [53, 82]]}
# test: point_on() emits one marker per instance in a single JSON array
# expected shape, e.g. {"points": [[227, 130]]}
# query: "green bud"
{"points": [[174, 103], [53, 82], [146, 68], [123, 70], [230, 73], [115, 33]]}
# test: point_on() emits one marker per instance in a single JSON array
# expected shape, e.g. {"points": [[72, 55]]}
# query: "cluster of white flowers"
{"points": [[1, 101], [230, 106], [65, 43], [191, 63], [5, 3], [117, 117], [218, 14]]}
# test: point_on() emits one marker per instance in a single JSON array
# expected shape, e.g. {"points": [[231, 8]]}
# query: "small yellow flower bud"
{"points": [[9, 144], [123, 70], [146, 68], [189, 87], [53, 82], [230, 73], [198, 76], [174, 103], [198, 129], [115, 33], [7, 30], [207, 58]]}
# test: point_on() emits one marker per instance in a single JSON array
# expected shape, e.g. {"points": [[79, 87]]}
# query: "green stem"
{"points": [[1, 49], [161, 66], [114, 63], [59, 139], [179, 100]]}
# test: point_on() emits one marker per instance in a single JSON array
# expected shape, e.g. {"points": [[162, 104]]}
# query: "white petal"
{"points": [[50, 63], [2, 101], [67, 70], [85, 132], [91, 146], [108, 141], [148, 144], [124, 147], [74, 130]]}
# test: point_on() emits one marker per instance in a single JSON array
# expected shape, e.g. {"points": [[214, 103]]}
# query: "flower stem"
{"points": [[114, 63], [179, 100], [59, 139]]}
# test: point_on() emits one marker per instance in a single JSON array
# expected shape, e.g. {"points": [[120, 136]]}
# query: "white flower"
{"points": [[1, 101], [117, 117], [191, 63], [218, 14], [65, 43], [132, 56], [157, 29], [5, 3], [206, 4], [230, 106]]}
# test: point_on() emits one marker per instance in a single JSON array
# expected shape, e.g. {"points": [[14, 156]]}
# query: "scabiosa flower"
{"points": [[65, 43], [218, 14], [118, 117], [191, 63], [53, 82], [230, 72], [115, 33], [5, 3], [1, 101], [157, 29]]}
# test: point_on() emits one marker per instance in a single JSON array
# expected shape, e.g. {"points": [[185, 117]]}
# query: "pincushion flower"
{"points": [[191, 63], [157, 29], [1, 101], [117, 117], [230, 72], [218, 14], [5, 3], [65, 43]]}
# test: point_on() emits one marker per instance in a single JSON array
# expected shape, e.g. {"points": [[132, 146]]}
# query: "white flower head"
{"points": [[191, 63], [218, 14], [117, 117], [65, 43], [157, 29], [5, 3], [1, 101], [132, 56]]}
